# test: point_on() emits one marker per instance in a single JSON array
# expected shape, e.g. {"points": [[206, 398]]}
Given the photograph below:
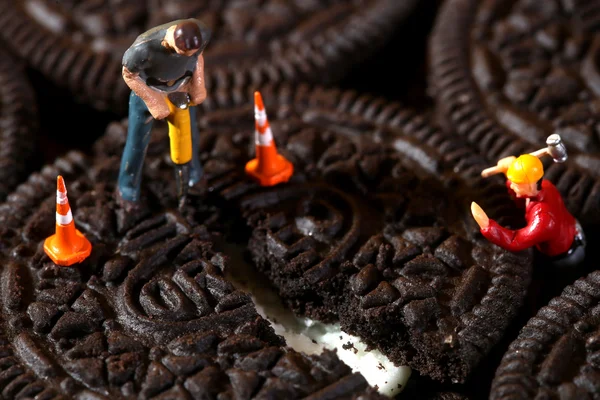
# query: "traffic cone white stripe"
{"points": [[260, 116], [64, 219], [264, 139], [61, 197], [263, 133]]}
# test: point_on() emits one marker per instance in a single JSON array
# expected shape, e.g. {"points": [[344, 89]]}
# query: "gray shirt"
{"points": [[157, 65]]}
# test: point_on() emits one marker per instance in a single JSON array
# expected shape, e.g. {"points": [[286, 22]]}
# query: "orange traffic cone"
{"points": [[67, 246], [269, 167]]}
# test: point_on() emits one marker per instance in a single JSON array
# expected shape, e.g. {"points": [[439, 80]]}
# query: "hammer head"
{"points": [[556, 148]]}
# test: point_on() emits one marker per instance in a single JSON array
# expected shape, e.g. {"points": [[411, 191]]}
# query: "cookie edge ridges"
{"points": [[97, 79], [461, 106], [515, 372]]}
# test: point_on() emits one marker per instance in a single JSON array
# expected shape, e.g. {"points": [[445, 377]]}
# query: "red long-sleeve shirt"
{"points": [[550, 226]]}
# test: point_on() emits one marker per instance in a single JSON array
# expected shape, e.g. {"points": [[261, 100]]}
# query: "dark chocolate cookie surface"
{"points": [[374, 229], [18, 124], [557, 354], [79, 44], [149, 314], [507, 74]]}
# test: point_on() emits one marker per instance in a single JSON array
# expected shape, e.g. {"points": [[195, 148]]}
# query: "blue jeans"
{"points": [[138, 138]]}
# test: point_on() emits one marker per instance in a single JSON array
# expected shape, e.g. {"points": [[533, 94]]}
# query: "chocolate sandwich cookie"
{"points": [[18, 124], [79, 44], [507, 74], [374, 229], [149, 314], [556, 355]]}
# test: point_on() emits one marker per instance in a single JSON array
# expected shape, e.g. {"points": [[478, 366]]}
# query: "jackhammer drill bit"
{"points": [[182, 179]]}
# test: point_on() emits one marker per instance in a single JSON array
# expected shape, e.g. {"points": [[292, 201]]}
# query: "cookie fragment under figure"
{"points": [[67, 246], [269, 167]]}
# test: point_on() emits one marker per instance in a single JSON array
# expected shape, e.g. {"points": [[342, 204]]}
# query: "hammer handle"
{"points": [[491, 171], [540, 152]]}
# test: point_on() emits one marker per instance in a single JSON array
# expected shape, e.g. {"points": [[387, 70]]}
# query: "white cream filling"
{"points": [[312, 337], [377, 369]]}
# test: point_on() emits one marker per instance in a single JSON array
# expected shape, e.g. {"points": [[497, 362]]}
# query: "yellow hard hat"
{"points": [[525, 169]]}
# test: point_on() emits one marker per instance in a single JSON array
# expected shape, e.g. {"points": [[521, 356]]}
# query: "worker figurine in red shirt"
{"points": [[550, 226]]}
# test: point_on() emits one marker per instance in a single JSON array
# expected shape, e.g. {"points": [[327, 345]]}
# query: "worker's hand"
{"points": [[197, 87], [504, 163], [197, 96], [480, 216], [158, 106]]}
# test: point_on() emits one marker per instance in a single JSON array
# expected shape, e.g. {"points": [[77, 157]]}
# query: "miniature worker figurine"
{"points": [[550, 226], [164, 68]]}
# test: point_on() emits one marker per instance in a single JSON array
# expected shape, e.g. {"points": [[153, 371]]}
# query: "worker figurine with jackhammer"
{"points": [[164, 68], [550, 227]]}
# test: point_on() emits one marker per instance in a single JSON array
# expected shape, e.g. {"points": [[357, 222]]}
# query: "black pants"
{"points": [[575, 255]]}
